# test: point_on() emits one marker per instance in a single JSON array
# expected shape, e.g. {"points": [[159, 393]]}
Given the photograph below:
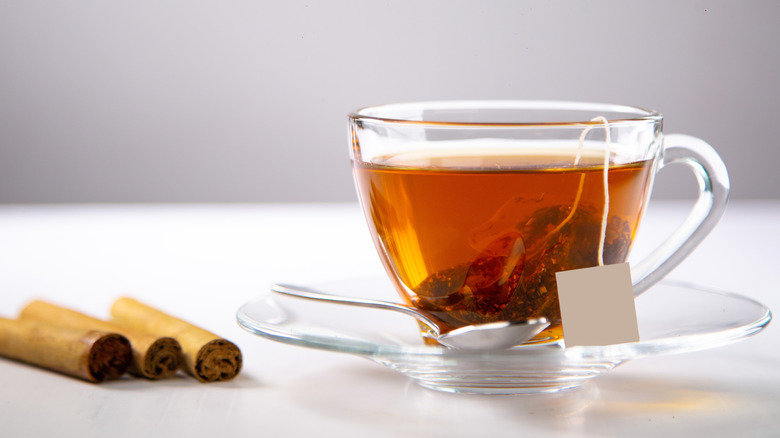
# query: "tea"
{"points": [[474, 236]]}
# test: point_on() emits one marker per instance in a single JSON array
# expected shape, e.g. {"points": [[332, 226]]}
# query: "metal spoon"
{"points": [[490, 336]]}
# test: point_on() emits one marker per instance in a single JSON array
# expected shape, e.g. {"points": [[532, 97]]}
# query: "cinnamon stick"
{"points": [[87, 354], [207, 357], [154, 357]]}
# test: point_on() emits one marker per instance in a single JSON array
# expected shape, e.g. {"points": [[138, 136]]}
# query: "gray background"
{"points": [[245, 101]]}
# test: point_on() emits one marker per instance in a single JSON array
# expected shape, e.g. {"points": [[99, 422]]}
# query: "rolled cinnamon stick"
{"points": [[154, 357], [207, 357], [87, 354]]}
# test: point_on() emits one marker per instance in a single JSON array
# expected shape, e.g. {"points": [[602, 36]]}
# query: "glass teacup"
{"points": [[475, 205]]}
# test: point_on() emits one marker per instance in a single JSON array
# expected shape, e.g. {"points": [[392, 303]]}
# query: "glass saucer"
{"points": [[672, 317]]}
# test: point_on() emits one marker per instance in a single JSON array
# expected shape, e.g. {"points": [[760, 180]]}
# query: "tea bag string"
{"points": [[605, 175], [578, 196]]}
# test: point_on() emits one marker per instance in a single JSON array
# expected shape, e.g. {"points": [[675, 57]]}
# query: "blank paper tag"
{"points": [[597, 305]]}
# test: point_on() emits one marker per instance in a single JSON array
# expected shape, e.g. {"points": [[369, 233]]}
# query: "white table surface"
{"points": [[201, 262]]}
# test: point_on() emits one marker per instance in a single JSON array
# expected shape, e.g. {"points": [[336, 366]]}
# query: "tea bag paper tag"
{"points": [[597, 305]]}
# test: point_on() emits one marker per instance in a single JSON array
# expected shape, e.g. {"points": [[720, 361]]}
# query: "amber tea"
{"points": [[472, 242]]}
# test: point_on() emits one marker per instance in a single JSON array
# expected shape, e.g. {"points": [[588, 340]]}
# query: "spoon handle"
{"points": [[311, 294]]}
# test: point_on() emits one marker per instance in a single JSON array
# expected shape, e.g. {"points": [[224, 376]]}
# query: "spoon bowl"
{"points": [[489, 336]]}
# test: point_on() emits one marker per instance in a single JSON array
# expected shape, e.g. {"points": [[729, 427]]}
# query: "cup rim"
{"points": [[633, 113]]}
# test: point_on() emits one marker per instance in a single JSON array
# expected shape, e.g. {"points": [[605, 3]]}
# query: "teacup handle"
{"points": [[713, 180]]}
